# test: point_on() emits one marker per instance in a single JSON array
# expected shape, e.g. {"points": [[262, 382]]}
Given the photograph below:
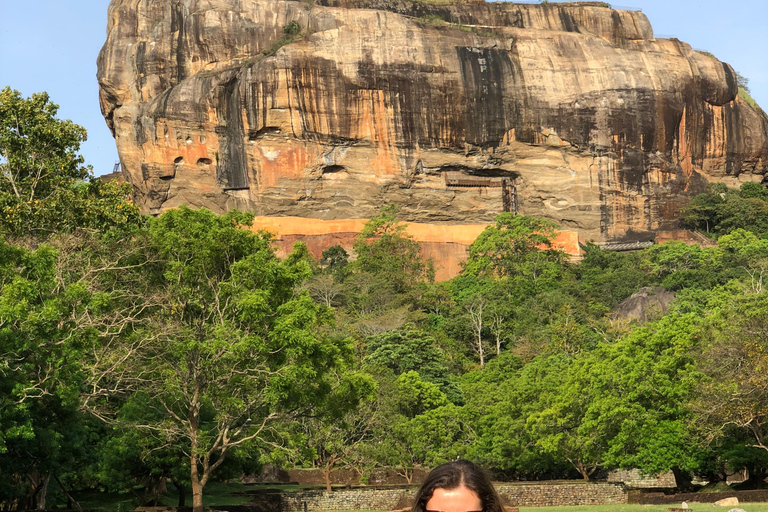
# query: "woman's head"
{"points": [[457, 487]]}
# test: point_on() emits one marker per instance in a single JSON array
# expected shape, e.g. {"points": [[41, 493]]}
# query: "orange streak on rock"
{"points": [[281, 161], [375, 126], [684, 153]]}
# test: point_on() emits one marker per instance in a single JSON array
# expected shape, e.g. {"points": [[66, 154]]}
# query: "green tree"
{"points": [[384, 249], [38, 153], [744, 250], [223, 343], [499, 400], [639, 388], [44, 185], [605, 278], [409, 350], [42, 433], [676, 265], [132, 461], [735, 360], [703, 210], [418, 426], [330, 436], [515, 245], [561, 426], [721, 210], [335, 260], [386, 280]]}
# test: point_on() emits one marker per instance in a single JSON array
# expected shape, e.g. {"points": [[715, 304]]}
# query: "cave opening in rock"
{"points": [[333, 169], [459, 176], [267, 130]]}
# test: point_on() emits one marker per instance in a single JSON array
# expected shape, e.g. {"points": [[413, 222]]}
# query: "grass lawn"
{"points": [[694, 507], [215, 494]]}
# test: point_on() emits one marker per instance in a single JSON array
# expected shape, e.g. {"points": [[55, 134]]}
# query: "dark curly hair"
{"points": [[454, 474]]}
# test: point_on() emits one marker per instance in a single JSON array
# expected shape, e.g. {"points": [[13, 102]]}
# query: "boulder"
{"points": [[727, 502], [644, 305]]}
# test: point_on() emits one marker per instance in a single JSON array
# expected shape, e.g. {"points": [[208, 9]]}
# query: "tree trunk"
{"points": [[71, 502], [41, 490], [182, 493], [197, 488], [327, 474], [581, 468], [480, 350], [682, 479], [197, 483], [475, 311]]}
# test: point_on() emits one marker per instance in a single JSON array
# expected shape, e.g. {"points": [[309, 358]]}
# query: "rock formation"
{"points": [[645, 305], [574, 112]]}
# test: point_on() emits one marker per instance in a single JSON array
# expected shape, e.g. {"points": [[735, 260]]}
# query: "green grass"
{"points": [[215, 494], [694, 507], [746, 97]]}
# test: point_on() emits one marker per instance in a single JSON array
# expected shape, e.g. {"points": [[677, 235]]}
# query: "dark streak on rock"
{"points": [[179, 44], [232, 171], [485, 72]]}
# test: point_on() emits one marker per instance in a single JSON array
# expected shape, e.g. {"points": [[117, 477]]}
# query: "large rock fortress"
{"points": [[574, 112]]}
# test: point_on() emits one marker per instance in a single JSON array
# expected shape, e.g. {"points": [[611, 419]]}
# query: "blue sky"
{"points": [[51, 45]]}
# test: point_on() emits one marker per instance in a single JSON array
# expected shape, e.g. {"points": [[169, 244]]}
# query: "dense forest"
{"points": [[137, 350]]}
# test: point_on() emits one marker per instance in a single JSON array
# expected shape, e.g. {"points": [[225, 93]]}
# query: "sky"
{"points": [[52, 45]]}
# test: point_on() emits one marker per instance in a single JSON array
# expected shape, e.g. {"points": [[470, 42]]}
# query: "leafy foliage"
{"points": [[515, 245], [721, 210], [44, 185]]}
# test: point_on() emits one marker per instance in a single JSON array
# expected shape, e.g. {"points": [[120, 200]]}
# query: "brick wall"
{"points": [[525, 495]]}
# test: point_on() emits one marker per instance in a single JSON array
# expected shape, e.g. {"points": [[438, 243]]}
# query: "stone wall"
{"points": [[521, 495], [633, 478], [563, 494], [357, 499]]}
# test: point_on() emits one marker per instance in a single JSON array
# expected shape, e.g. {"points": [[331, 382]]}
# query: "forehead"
{"points": [[459, 499]]}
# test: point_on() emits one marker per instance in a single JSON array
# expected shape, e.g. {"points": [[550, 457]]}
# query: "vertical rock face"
{"points": [[573, 112]]}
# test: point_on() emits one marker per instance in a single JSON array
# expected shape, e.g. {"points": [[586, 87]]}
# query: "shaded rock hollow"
{"points": [[574, 112]]}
